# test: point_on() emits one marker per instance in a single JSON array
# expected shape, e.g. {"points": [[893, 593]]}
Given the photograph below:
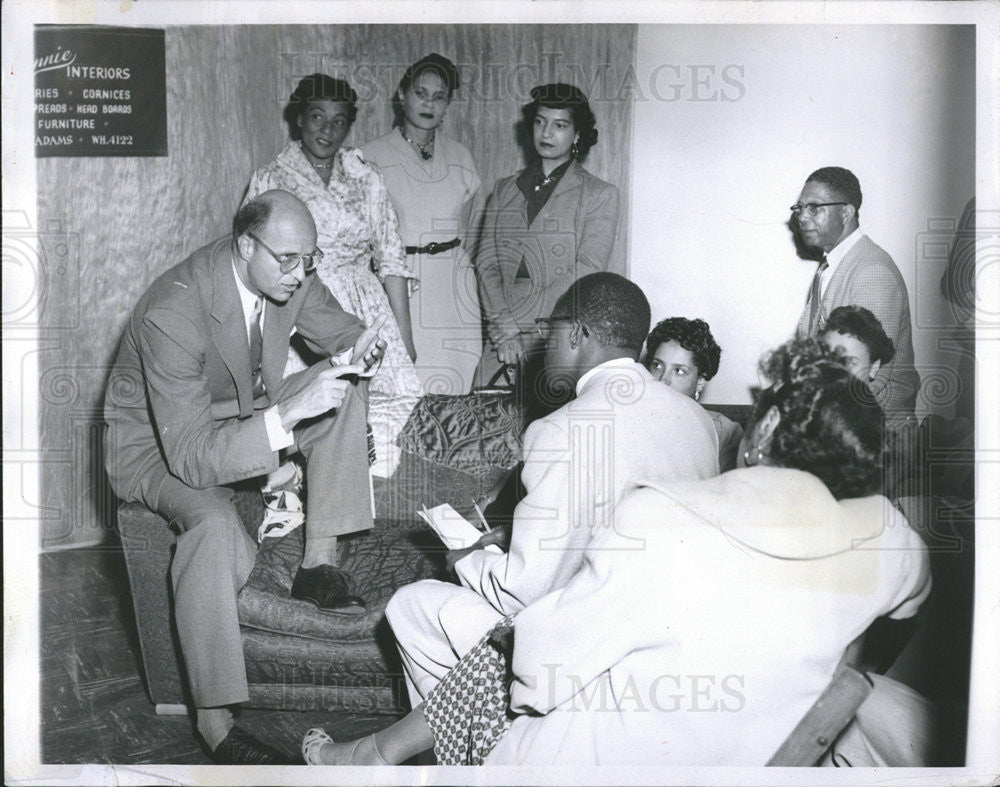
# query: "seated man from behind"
{"points": [[196, 401], [621, 428]]}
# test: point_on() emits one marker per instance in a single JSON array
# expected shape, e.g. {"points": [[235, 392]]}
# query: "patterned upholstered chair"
{"points": [[453, 449]]}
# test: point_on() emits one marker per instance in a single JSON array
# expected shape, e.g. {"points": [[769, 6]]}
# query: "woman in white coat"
{"points": [[707, 642]]}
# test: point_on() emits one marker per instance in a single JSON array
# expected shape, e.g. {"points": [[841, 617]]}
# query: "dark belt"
{"points": [[433, 247]]}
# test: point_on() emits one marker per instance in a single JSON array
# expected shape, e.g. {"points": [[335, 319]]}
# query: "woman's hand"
{"points": [[510, 350]]}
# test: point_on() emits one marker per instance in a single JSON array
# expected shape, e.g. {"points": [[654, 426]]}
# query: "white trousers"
{"points": [[436, 624]]}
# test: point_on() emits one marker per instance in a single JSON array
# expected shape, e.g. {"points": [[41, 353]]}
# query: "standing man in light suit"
{"points": [[622, 428], [196, 401], [855, 272]]}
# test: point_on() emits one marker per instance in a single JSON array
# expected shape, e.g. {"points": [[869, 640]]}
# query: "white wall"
{"points": [[729, 122]]}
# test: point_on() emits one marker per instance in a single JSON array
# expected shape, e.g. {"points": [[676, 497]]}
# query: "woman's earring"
{"points": [[756, 460], [574, 151]]}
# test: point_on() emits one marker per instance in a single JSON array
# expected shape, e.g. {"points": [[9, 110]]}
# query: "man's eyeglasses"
{"points": [[811, 208], [545, 325], [289, 262]]}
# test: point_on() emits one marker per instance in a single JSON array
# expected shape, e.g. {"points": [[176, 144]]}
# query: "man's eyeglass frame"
{"points": [[544, 325], [810, 208], [289, 262]]}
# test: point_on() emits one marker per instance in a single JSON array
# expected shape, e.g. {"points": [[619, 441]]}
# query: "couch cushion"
{"points": [[470, 433], [378, 562], [454, 449]]}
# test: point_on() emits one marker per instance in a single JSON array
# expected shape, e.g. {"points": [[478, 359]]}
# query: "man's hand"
{"points": [[369, 349], [325, 392], [452, 556], [497, 536]]}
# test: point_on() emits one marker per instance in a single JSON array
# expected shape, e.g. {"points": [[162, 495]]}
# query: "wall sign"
{"points": [[100, 91]]}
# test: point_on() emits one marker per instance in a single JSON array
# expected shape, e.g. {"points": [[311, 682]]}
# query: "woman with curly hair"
{"points": [[683, 354], [859, 335], [709, 642], [364, 264], [544, 227]]}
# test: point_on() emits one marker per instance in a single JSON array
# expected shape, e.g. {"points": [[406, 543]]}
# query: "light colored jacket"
{"points": [[622, 426], [706, 645], [868, 277]]}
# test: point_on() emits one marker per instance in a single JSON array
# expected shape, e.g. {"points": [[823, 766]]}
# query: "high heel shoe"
{"points": [[346, 753]]}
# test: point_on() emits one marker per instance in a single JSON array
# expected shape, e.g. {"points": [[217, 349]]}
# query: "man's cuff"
{"points": [[277, 435], [471, 569]]}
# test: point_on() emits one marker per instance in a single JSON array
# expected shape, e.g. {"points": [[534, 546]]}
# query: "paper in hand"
{"points": [[454, 530]]}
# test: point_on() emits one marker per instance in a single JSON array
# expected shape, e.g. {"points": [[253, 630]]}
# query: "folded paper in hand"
{"points": [[454, 530]]}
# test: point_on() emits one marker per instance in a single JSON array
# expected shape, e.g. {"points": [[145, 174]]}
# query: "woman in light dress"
{"points": [[364, 263], [432, 180]]}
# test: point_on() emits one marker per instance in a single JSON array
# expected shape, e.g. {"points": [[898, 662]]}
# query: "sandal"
{"points": [[313, 741], [343, 754]]}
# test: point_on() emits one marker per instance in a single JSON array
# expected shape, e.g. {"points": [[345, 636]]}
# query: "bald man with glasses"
{"points": [[197, 401], [854, 271]]}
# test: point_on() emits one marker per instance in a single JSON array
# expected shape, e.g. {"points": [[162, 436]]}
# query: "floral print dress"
{"points": [[358, 233]]}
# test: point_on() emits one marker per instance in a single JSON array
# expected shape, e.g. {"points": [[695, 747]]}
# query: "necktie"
{"points": [[815, 297], [256, 348]]}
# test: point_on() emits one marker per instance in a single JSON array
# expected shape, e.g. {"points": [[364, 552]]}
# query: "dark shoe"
{"points": [[327, 588], [242, 748]]}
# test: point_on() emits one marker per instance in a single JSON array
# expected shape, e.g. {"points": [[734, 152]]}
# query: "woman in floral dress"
{"points": [[364, 263]]}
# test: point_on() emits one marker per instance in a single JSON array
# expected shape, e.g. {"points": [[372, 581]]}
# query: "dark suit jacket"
{"points": [[180, 395], [572, 235], [868, 277]]}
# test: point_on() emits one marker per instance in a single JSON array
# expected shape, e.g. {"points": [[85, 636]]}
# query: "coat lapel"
{"points": [[278, 324], [230, 332], [570, 180], [831, 294], [510, 197]]}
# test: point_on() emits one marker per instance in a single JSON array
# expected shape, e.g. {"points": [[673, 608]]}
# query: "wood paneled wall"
{"points": [[111, 225]]}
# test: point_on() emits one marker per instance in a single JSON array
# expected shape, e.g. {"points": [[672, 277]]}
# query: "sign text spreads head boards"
{"points": [[99, 91]]}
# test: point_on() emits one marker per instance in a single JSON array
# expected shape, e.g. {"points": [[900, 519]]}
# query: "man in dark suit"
{"points": [[196, 401], [855, 272]]}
